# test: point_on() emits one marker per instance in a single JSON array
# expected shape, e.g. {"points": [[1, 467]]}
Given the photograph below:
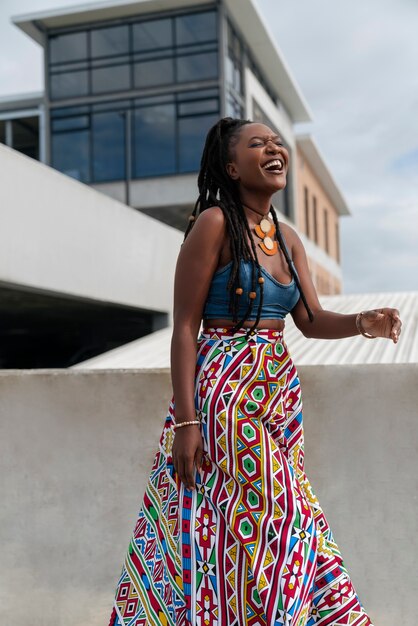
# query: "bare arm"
{"points": [[197, 261], [328, 324]]}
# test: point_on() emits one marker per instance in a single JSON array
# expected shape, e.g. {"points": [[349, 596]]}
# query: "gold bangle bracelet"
{"points": [[360, 327], [175, 426]]}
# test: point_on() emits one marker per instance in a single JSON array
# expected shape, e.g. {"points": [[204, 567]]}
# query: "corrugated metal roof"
{"points": [[154, 350]]}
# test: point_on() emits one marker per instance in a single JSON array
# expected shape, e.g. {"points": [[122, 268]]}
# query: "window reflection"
{"points": [[114, 78], [68, 47], [88, 141], [197, 67], [163, 51], [152, 34], [108, 146], [69, 85], [196, 28], [152, 73], [110, 41], [71, 154], [154, 140], [192, 133], [167, 136]]}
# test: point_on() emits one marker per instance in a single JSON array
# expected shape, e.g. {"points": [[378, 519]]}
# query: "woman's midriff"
{"points": [[274, 324]]}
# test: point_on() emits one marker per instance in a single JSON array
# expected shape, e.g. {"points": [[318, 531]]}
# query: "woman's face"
{"points": [[259, 161]]}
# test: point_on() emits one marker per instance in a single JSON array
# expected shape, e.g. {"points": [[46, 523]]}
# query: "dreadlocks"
{"points": [[216, 188]]}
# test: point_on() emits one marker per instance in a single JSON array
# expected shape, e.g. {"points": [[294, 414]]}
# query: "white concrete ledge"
{"points": [[59, 235], [76, 448]]}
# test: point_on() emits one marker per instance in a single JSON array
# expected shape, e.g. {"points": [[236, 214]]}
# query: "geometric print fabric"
{"points": [[251, 545]]}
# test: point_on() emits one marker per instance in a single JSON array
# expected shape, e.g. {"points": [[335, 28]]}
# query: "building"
{"points": [[131, 89]]}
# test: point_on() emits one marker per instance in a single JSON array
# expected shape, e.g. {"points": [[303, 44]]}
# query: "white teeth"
{"points": [[273, 165]]}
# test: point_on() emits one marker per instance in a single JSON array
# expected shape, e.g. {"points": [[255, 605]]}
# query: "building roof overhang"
{"points": [[244, 13], [21, 101], [309, 149]]}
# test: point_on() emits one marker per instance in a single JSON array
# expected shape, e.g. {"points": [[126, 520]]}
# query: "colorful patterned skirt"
{"points": [[251, 545]]}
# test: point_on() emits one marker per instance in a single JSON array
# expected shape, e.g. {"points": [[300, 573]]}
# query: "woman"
{"points": [[230, 532]]}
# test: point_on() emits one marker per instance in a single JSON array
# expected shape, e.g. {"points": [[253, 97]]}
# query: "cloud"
{"points": [[356, 65]]}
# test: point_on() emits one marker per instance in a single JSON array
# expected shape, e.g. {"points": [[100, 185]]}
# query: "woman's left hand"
{"points": [[384, 322]]}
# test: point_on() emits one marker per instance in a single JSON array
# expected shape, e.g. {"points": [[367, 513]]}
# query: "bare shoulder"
{"points": [[291, 236], [213, 217]]}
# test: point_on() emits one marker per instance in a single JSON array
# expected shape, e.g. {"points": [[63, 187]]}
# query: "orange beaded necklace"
{"points": [[265, 230]]}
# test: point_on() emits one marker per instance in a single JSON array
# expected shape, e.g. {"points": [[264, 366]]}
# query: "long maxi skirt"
{"points": [[251, 545]]}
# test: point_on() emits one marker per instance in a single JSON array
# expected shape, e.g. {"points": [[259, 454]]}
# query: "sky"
{"points": [[355, 63]]}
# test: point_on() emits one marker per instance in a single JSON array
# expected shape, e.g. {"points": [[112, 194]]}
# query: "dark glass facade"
{"points": [[162, 131], [166, 133], [137, 55], [138, 97]]}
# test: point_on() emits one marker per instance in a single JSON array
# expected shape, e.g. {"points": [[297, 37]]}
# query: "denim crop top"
{"points": [[279, 298]]}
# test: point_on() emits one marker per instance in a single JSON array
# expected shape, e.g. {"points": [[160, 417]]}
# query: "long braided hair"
{"points": [[217, 188]]}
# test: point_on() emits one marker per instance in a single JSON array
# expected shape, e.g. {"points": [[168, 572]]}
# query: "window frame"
{"points": [[134, 56]]}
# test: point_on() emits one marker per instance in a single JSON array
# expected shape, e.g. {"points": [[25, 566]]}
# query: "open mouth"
{"points": [[276, 166]]}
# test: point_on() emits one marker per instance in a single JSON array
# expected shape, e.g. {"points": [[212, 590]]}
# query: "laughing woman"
{"points": [[230, 532]]}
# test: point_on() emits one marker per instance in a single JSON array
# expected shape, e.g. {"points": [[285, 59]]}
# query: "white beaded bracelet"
{"points": [[174, 426]]}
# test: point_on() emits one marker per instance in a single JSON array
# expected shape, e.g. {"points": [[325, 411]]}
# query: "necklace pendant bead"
{"points": [[260, 280], [269, 251], [252, 295], [239, 291], [265, 225], [268, 242]]}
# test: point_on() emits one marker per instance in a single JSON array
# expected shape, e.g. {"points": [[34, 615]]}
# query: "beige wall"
{"points": [[324, 281], [76, 448]]}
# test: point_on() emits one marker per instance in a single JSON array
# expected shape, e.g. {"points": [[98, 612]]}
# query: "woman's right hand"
{"points": [[187, 451]]}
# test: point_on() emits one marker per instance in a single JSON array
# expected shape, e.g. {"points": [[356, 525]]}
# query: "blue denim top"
{"points": [[279, 298]]}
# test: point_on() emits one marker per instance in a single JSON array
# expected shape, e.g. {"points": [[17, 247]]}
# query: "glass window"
{"points": [[68, 47], [69, 84], [152, 34], [233, 75], [154, 140], [187, 96], [110, 41], [326, 230], [337, 240], [233, 107], [121, 105], [71, 154], [108, 133], [306, 205], [199, 106], [77, 122], [153, 100], [315, 219], [192, 133], [151, 73], [197, 67], [25, 133], [64, 111], [196, 28], [111, 78]]}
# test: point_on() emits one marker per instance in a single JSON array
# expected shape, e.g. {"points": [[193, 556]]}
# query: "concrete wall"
{"points": [[156, 192], [59, 235], [76, 448]]}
